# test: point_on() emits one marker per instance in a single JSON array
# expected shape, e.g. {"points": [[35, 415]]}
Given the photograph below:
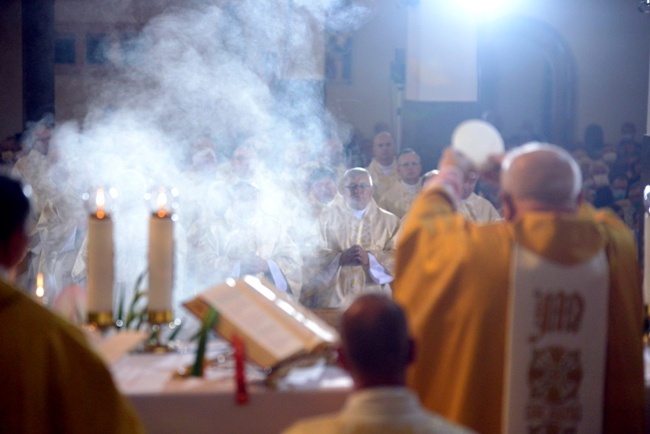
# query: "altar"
{"points": [[168, 404]]}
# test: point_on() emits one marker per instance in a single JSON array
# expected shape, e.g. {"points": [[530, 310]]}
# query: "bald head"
{"points": [[375, 343], [541, 177]]}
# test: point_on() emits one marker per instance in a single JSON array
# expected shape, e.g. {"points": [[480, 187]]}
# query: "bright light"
{"points": [[40, 289], [484, 8], [101, 202]]}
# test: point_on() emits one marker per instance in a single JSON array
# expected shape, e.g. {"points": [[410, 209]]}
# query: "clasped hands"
{"points": [[355, 255]]}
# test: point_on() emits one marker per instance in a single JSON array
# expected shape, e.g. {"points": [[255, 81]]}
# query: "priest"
{"points": [[52, 380], [247, 241], [358, 249], [460, 286], [398, 198], [383, 167]]}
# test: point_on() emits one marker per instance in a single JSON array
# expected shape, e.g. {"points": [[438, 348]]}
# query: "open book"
{"points": [[274, 328]]}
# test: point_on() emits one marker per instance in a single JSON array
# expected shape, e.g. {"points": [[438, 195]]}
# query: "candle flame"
{"points": [[161, 203], [40, 290], [100, 200]]}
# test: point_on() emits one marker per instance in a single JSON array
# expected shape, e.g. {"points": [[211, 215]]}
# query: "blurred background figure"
{"points": [[397, 199], [358, 246], [383, 167]]}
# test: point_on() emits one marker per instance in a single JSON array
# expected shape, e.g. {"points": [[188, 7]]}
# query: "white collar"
{"points": [[357, 213], [411, 188], [386, 169]]}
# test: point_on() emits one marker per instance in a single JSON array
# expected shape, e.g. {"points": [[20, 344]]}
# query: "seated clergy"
{"points": [[247, 241], [397, 199], [320, 190], [383, 167], [474, 207], [376, 349], [52, 381], [358, 237]]}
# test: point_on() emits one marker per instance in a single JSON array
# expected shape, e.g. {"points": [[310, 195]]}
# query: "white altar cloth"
{"points": [[207, 405]]}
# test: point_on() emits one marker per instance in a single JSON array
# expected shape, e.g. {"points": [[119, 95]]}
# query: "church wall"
{"points": [[11, 94], [609, 40]]}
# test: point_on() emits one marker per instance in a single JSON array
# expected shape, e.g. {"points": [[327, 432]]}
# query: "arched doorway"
{"points": [[527, 79]]}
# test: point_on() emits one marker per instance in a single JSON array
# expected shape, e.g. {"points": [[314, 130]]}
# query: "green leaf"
{"points": [[208, 323], [173, 334]]}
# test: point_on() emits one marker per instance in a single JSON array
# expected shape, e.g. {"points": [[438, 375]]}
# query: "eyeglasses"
{"points": [[411, 164], [361, 187]]}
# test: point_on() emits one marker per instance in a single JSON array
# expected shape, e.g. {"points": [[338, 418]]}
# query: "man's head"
{"points": [[15, 208], [469, 184], [41, 137], [245, 200], [628, 131], [383, 149], [409, 167], [357, 188], [322, 184], [332, 153], [636, 194], [431, 174], [618, 183], [375, 344], [539, 177], [243, 160]]}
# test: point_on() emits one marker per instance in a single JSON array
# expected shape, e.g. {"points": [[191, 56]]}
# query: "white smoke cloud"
{"points": [[244, 71]]}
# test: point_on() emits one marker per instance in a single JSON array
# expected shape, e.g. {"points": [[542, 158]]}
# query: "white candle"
{"points": [[99, 274], [646, 258], [40, 289], [161, 258]]}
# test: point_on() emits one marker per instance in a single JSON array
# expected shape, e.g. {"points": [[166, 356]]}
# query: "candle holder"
{"points": [[163, 202], [100, 267], [158, 320]]}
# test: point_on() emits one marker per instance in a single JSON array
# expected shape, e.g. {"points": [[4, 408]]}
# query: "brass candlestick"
{"points": [[101, 320], [157, 320]]}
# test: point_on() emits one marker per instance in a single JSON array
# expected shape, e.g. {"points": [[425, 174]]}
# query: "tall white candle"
{"points": [[99, 273], [161, 258]]}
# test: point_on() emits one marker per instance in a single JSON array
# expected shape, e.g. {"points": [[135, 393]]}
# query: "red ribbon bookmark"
{"points": [[241, 395]]}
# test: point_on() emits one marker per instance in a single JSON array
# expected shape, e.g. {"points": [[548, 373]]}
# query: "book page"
{"points": [[253, 321], [305, 324]]}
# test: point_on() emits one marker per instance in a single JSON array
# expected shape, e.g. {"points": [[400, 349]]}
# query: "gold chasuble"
{"points": [[52, 382], [380, 180], [398, 198], [334, 285], [452, 278]]}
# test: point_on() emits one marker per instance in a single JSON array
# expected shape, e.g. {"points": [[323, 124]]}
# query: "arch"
{"points": [[559, 100]]}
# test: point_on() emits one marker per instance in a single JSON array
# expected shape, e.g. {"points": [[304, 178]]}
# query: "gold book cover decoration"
{"points": [[276, 330]]}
